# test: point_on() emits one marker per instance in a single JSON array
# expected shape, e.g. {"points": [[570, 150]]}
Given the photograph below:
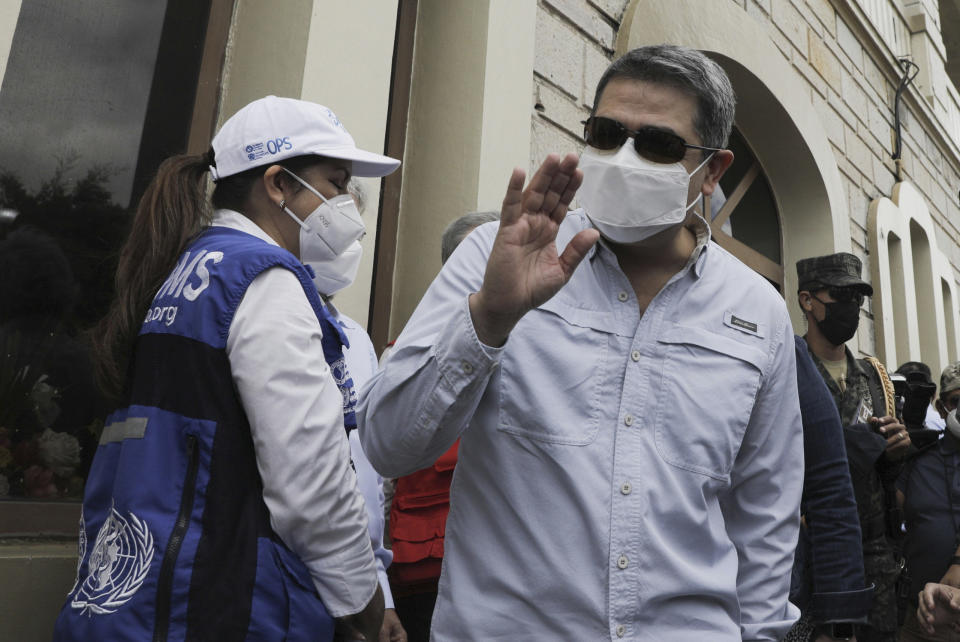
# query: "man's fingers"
{"points": [[541, 180], [550, 183], [511, 209], [556, 190], [560, 211], [576, 249]]}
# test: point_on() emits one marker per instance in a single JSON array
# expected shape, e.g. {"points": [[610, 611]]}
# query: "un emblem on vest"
{"points": [[118, 564], [81, 552], [342, 376]]}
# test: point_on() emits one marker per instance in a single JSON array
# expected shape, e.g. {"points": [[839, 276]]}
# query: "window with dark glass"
{"points": [[96, 93]]}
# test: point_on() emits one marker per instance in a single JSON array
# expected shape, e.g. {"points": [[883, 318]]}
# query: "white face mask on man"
{"points": [[330, 240], [629, 198], [953, 425]]}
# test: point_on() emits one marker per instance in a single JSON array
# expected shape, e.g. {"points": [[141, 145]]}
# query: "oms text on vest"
{"points": [[178, 283]]}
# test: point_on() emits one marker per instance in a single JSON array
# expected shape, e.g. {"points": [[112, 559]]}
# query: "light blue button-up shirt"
{"points": [[620, 476]]}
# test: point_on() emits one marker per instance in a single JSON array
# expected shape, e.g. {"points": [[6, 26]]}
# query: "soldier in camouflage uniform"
{"points": [[830, 295]]}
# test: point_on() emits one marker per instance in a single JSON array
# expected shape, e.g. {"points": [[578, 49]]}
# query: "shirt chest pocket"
{"points": [[552, 376], [708, 386]]}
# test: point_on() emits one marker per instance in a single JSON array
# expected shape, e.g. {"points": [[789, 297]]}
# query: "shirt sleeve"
{"points": [[761, 508], [436, 374], [295, 412], [371, 487], [836, 553]]}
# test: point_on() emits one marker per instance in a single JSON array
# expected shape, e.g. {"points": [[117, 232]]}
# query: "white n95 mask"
{"points": [[332, 275], [953, 425], [328, 230], [629, 198]]}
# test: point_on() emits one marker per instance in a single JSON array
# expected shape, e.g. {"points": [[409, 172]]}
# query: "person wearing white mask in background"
{"points": [[331, 275], [624, 391], [928, 492], [221, 504]]}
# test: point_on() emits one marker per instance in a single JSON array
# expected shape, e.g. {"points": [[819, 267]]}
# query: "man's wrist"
{"points": [[955, 561], [491, 330]]}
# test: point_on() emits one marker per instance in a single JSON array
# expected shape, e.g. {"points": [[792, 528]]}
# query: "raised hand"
{"points": [[524, 269]]}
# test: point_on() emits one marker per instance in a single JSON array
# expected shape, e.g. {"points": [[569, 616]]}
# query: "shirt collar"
{"points": [[237, 221], [853, 364], [699, 255], [697, 258]]}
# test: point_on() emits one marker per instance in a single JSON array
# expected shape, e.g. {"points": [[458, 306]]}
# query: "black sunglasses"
{"points": [[657, 145], [843, 294]]}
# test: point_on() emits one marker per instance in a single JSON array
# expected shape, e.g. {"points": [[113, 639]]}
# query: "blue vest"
{"points": [[175, 538]]}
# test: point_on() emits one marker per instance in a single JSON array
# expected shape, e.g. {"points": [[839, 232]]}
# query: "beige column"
{"points": [[9, 12], [266, 52], [469, 125], [349, 58], [338, 54]]}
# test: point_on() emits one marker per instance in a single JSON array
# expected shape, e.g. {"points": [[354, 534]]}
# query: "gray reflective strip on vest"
{"points": [[130, 428]]}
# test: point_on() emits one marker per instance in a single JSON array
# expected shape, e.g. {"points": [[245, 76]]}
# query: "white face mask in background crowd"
{"points": [[332, 275], [953, 425], [328, 230], [629, 198]]}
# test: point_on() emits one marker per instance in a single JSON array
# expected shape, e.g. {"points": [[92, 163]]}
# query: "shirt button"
{"points": [[622, 561], [635, 355], [623, 296], [621, 631], [626, 488], [467, 367], [628, 420]]}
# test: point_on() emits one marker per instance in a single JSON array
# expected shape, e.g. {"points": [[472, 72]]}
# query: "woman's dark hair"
{"points": [[172, 211]]}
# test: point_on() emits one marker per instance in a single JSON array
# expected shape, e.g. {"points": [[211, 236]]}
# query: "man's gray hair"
{"points": [[685, 69], [460, 228]]}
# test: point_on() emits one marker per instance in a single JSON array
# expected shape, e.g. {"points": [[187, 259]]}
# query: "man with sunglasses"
{"points": [[831, 292], [630, 463]]}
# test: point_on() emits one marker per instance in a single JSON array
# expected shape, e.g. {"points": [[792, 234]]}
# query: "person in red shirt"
{"points": [[421, 502]]}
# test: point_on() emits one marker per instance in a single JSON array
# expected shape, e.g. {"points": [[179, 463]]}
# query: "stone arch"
{"points": [[915, 298]]}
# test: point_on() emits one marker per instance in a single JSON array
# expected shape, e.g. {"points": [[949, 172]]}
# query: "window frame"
{"points": [[28, 518]]}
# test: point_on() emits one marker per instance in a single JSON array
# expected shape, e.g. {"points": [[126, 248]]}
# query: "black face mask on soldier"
{"points": [[840, 320]]}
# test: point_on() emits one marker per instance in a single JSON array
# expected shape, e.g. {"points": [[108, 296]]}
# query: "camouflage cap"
{"points": [[950, 379], [834, 270]]}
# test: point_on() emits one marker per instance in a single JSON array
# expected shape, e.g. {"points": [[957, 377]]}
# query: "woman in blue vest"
{"points": [[221, 504]]}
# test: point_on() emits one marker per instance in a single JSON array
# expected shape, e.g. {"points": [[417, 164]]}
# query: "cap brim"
{"points": [[839, 282], [949, 389], [852, 282], [365, 164]]}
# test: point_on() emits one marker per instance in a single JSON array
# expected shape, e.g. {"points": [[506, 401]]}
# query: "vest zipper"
{"points": [[167, 567]]}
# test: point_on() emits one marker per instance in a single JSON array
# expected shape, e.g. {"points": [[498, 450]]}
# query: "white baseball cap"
{"points": [[271, 129]]}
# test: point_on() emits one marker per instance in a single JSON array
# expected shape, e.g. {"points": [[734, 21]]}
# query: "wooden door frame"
{"points": [[388, 224]]}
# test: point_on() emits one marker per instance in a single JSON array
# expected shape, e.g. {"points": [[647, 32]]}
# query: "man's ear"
{"points": [[805, 300], [715, 168], [941, 409]]}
